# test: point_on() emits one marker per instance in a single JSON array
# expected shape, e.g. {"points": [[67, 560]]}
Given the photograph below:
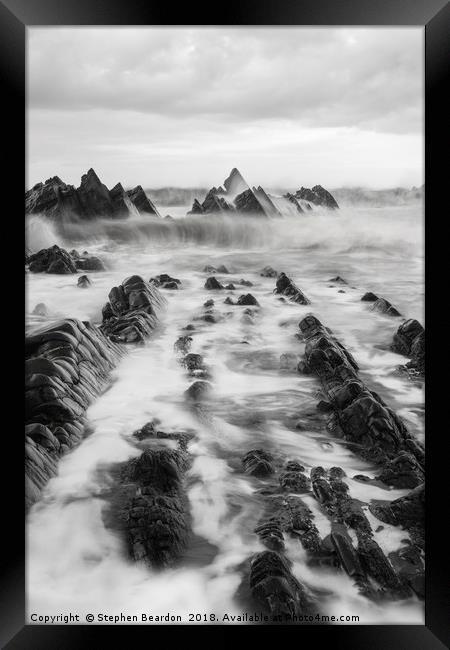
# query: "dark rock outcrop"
{"points": [[362, 416], [294, 479], [157, 515], [212, 284], [84, 282], [407, 511], [213, 204], [165, 281], [67, 365], [52, 260], [247, 299], [198, 391], [132, 311], [141, 201], [290, 197], [383, 306], [258, 463], [236, 196], [53, 198], [369, 297], [121, 201], [183, 344], [266, 202], [287, 288], [90, 200], [247, 203], [409, 340], [366, 561], [94, 196], [318, 196], [274, 587], [271, 534], [404, 471], [196, 207]]}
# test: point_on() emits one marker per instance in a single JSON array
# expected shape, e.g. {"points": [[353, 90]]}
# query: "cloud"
{"points": [[170, 96]]}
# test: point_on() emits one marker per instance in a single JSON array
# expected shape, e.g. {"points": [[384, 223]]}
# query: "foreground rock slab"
{"points": [[67, 365]]}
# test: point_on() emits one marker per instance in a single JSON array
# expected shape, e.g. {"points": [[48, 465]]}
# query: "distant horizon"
{"points": [[166, 106]]}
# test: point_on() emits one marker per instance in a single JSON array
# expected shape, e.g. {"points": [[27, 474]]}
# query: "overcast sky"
{"points": [[182, 106]]}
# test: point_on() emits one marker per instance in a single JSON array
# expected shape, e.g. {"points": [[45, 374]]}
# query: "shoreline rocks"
{"points": [[213, 284], [286, 287], [361, 415], [131, 314], [409, 340], [157, 514], [59, 261], [52, 260], [84, 282], [90, 200], [67, 365]]}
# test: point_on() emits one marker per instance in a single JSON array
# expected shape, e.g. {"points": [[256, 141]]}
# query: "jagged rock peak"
{"points": [[90, 200], [235, 183], [90, 177], [141, 201]]}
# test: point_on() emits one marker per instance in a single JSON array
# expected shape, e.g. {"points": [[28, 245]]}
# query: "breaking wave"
{"points": [[396, 230]]}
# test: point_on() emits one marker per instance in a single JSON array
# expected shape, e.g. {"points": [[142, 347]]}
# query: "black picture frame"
{"points": [[15, 16]]}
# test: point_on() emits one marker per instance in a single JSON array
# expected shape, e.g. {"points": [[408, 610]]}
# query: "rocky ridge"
{"points": [[67, 366], [237, 196], [90, 200]]}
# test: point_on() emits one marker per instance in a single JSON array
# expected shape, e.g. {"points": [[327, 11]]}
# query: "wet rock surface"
{"points": [[258, 463], [157, 515], [213, 283], [247, 299], [286, 287], [361, 414], [383, 306], [302, 514], [369, 297], [67, 365], [51, 260], [84, 282], [165, 281], [409, 340], [274, 587], [131, 314]]}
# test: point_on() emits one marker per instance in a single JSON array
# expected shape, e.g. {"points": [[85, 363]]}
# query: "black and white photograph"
{"points": [[225, 325]]}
